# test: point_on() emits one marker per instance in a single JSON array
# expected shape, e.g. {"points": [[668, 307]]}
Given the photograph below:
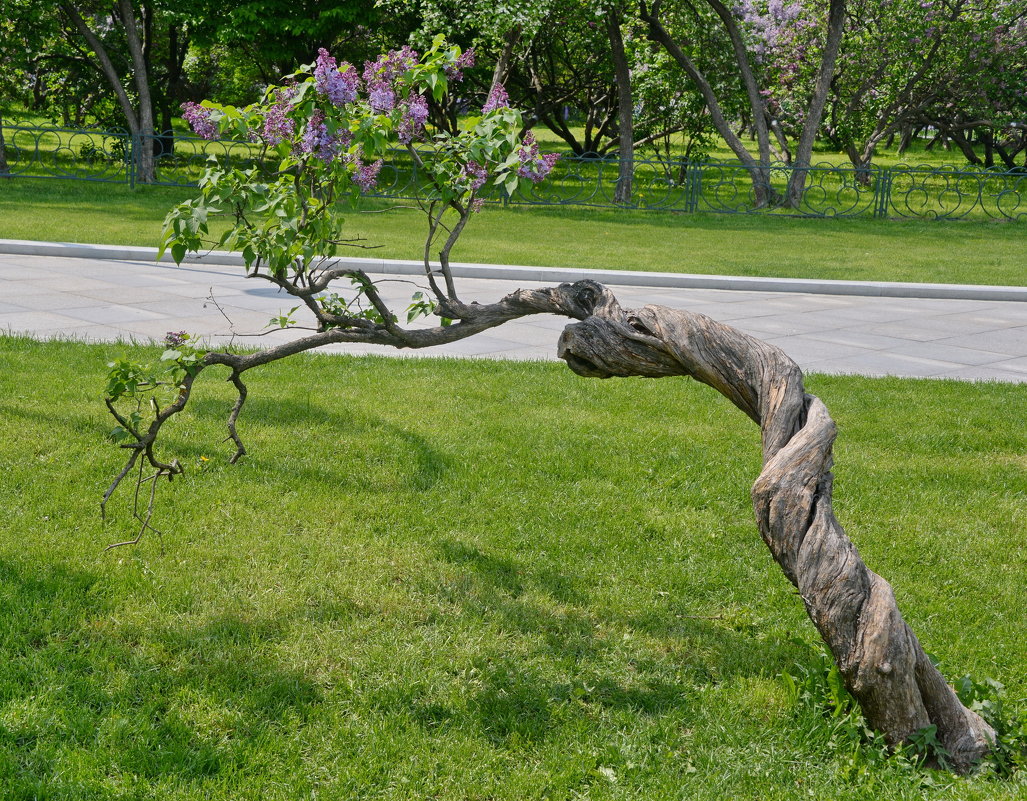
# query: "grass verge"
{"points": [[873, 250], [502, 582]]}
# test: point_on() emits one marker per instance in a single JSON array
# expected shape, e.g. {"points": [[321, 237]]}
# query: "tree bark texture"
{"points": [[502, 69], [882, 663]]}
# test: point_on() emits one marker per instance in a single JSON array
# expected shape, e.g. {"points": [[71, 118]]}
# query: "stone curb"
{"points": [[557, 274]]}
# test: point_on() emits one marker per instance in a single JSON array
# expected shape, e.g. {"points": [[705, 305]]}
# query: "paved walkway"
{"points": [[104, 300]]}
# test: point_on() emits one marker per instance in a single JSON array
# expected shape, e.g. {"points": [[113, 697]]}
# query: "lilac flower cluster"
{"points": [[278, 125], [366, 175], [475, 174], [415, 115], [775, 29], [381, 97], [175, 339], [389, 66], [319, 142], [198, 118], [498, 99], [455, 71], [534, 165], [338, 85]]}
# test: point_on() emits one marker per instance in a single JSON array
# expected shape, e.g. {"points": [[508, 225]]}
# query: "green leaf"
{"points": [[178, 252]]}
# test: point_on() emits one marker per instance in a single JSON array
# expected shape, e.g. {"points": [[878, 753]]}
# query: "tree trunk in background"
{"points": [[759, 171], [815, 111], [625, 111], [502, 68], [141, 78], [5, 170], [881, 662], [140, 124]]}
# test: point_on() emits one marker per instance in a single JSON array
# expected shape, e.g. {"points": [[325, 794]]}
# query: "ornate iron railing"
{"points": [[830, 190]]}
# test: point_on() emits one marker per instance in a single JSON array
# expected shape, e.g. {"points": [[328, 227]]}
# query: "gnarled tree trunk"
{"points": [[880, 660], [883, 666]]}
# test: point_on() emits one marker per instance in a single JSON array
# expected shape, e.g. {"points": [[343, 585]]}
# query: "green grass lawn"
{"points": [[979, 253], [502, 582]]}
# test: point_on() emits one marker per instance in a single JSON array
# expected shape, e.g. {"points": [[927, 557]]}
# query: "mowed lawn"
{"points": [[473, 580], [879, 250]]}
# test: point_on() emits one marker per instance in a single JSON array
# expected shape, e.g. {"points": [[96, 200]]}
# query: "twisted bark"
{"points": [[883, 666]]}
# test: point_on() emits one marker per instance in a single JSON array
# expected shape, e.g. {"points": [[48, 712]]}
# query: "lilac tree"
{"points": [[326, 134], [771, 41], [955, 65]]}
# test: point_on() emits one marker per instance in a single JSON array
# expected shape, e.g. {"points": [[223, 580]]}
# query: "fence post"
{"points": [[693, 182], [882, 193], [133, 154]]}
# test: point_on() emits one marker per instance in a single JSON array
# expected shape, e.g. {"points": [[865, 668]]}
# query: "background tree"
{"points": [[906, 64], [131, 86], [672, 122], [27, 45], [751, 33]]}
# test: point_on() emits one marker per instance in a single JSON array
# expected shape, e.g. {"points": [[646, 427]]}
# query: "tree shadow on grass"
{"points": [[178, 699], [424, 465], [584, 648]]}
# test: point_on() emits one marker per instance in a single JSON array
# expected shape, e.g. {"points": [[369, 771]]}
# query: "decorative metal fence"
{"points": [[831, 190]]}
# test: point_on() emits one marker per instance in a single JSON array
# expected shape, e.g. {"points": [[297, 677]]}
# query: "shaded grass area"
{"points": [[502, 582], [976, 253]]}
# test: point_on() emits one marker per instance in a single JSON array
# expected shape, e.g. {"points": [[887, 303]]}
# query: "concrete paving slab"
{"points": [[112, 313], [55, 301], [950, 353], [30, 321], [76, 283], [856, 336], [1010, 341], [880, 363], [803, 350], [134, 298], [983, 373], [1017, 365]]}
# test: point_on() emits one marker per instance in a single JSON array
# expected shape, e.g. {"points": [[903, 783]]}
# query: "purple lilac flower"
{"points": [[175, 339], [198, 118], [475, 174], [318, 141], [278, 126], [415, 115], [417, 109], [390, 66], [338, 85], [477, 204], [498, 99], [405, 131], [455, 71], [534, 165], [382, 97], [366, 175]]}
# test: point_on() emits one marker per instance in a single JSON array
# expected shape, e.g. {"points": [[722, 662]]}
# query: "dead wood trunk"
{"points": [[854, 609]]}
